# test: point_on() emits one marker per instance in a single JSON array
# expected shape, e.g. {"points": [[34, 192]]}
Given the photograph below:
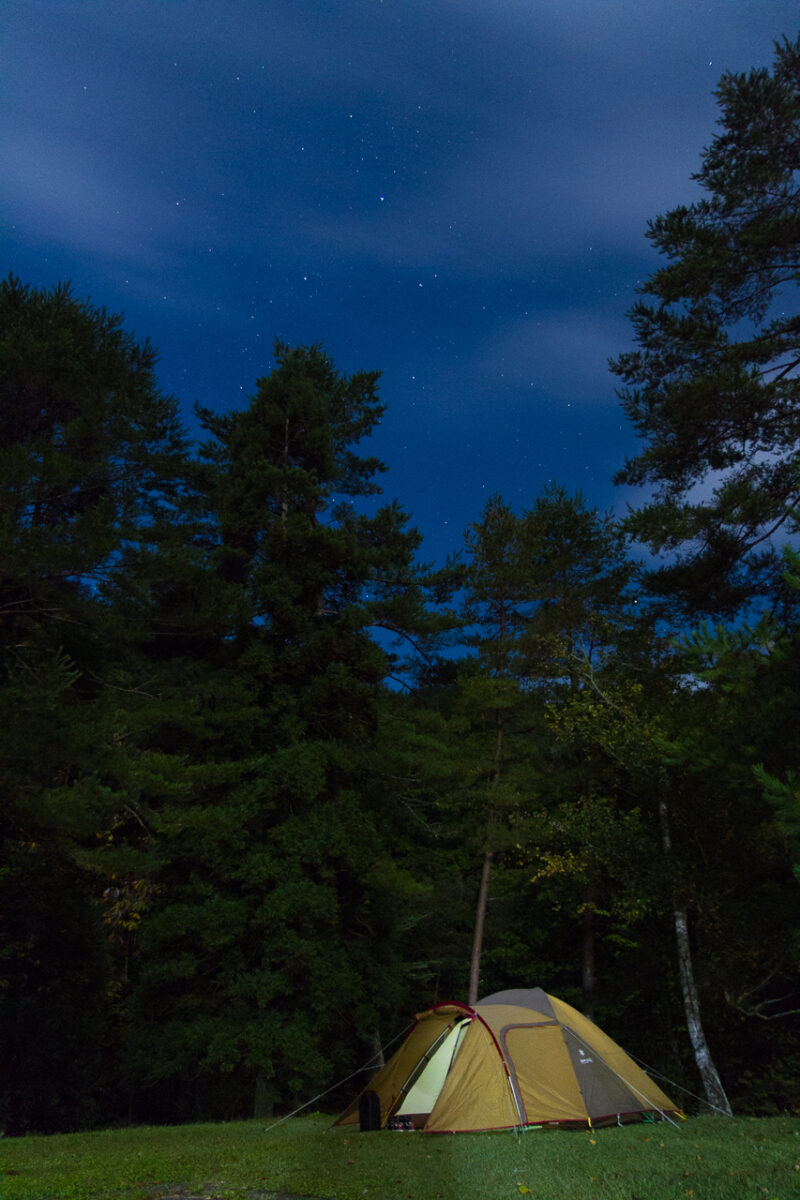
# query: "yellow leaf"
{"points": [[523, 1188]]}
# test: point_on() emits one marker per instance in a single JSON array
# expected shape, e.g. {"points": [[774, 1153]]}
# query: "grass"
{"points": [[705, 1159]]}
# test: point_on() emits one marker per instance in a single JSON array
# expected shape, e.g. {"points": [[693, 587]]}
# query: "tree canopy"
{"points": [[713, 388]]}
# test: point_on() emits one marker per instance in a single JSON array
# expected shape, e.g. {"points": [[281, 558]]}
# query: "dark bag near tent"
{"points": [[369, 1111]]}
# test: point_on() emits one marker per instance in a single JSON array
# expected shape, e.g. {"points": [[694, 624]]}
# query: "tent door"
{"points": [[424, 1091]]}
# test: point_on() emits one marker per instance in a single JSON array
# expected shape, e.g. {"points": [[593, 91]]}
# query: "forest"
{"points": [[271, 782]]}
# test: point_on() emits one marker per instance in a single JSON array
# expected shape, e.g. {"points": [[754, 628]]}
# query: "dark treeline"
{"points": [[270, 783]]}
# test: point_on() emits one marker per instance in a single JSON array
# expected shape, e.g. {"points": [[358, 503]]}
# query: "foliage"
{"points": [[91, 457], [54, 978], [275, 914], [713, 387], [740, 752], [550, 593]]}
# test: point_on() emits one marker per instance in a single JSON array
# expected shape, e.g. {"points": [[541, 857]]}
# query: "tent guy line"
{"points": [[632, 1086], [701, 1099], [369, 1066]]}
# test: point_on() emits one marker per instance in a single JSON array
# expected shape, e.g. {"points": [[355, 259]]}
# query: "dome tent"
{"points": [[516, 1058]]}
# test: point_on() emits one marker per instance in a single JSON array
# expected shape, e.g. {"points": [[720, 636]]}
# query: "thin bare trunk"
{"points": [[715, 1093], [285, 500], [264, 1097], [588, 952], [480, 917], [378, 1059], [483, 891]]}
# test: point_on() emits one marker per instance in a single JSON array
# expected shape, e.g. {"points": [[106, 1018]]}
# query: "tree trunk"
{"points": [[377, 1061], [480, 917], [588, 953], [483, 891], [264, 1097], [285, 498], [715, 1093]]}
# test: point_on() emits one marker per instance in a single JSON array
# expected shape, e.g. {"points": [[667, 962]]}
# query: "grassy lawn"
{"points": [[705, 1159]]}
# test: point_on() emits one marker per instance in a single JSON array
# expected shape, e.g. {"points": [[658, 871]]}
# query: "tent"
{"points": [[516, 1058]]}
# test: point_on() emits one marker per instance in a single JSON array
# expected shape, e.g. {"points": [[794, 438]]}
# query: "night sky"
{"points": [[453, 192]]}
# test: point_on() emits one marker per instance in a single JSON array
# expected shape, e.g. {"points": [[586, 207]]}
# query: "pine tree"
{"points": [[274, 914], [91, 456], [547, 597], [713, 388]]}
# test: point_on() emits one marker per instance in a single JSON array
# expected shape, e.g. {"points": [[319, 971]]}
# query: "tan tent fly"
{"points": [[516, 1058]]}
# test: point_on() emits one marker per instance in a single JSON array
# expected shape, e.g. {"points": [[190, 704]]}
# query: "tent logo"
{"points": [[584, 1057]]}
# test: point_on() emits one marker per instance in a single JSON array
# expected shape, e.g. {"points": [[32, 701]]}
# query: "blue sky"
{"points": [[454, 192]]}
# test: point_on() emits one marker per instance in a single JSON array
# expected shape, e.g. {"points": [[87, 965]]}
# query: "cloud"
{"points": [[449, 136], [453, 190], [59, 194], [563, 353]]}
